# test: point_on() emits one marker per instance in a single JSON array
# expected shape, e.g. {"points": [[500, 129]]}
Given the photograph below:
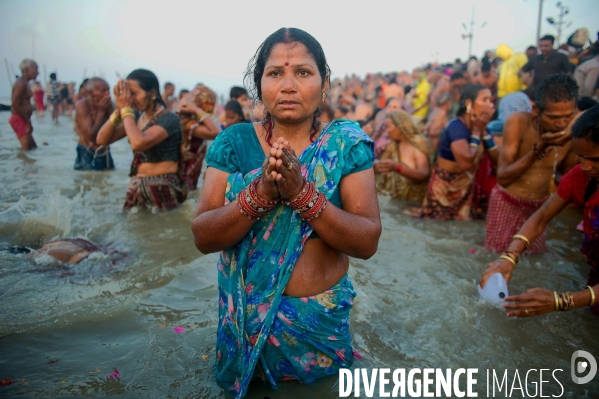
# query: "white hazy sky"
{"points": [[187, 42]]}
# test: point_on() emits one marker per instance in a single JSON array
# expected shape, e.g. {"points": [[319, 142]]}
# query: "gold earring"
{"points": [[153, 97]]}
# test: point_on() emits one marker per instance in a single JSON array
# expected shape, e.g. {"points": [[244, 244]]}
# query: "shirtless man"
{"points": [[21, 108], [91, 113], [487, 79], [169, 96], [535, 144], [437, 120]]}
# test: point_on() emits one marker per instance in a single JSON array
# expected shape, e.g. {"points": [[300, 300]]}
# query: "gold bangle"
{"points": [[556, 301], [508, 258], [115, 118], [592, 295], [521, 237]]}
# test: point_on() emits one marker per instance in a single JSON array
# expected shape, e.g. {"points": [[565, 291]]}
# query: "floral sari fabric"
{"points": [[261, 332]]}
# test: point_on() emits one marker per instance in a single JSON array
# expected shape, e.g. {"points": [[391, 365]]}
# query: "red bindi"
{"points": [[286, 64]]}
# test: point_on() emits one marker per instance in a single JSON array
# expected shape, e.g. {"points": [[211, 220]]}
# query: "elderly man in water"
{"points": [[92, 111], [535, 146], [21, 107]]}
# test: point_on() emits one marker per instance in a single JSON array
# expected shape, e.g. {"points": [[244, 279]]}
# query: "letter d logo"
{"points": [[582, 366]]}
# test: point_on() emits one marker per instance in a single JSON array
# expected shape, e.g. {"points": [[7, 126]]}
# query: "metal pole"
{"points": [[8, 73], [559, 24], [471, 34], [539, 21]]}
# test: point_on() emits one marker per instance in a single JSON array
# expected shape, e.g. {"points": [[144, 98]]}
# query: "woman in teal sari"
{"points": [[287, 201]]}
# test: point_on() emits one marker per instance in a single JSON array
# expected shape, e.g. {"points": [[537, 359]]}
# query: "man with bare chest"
{"points": [[535, 148], [91, 113], [21, 108]]}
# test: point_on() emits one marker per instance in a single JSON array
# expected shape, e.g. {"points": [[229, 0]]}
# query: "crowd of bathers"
{"points": [[512, 138]]}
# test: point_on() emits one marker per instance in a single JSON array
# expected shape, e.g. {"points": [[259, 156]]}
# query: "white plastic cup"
{"points": [[495, 290]]}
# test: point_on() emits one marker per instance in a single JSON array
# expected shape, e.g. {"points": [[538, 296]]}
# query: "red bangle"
{"points": [[399, 168]]}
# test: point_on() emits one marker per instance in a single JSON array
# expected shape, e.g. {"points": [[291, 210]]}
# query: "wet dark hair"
{"points": [[235, 107], [407, 89], [470, 92], [456, 76], [548, 37], [486, 66], [585, 103], [531, 48], [168, 84], [237, 92], [556, 88], [148, 82], [53, 76], [183, 92], [83, 84], [255, 69], [587, 126]]}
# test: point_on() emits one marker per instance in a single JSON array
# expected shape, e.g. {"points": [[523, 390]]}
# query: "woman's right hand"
{"points": [[267, 188], [499, 266], [122, 95]]}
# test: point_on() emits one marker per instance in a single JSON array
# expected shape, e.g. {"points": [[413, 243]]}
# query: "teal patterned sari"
{"points": [[261, 332]]}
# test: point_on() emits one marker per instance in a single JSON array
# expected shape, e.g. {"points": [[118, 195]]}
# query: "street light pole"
{"points": [[539, 21]]}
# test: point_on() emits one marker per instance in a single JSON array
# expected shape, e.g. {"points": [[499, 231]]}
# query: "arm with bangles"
{"points": [[205, 128], [217, 227], [417, 174], [535, 301], [511, 169]]}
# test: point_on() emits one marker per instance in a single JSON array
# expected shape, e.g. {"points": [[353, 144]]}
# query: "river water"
{"points": [[64, 330]]}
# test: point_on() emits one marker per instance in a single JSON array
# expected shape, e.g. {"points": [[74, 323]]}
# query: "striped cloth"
{"points": [[506, 215], [164, 192]]}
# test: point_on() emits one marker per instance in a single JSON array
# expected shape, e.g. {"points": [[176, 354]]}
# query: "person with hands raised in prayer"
{"points": [[579, 186], [286, 201], [451, 187], [155, 137]]}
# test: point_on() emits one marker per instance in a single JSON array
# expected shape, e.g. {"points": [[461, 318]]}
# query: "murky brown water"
{"points": [[417, 303]]}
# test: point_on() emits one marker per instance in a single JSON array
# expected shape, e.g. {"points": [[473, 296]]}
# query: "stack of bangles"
{"points": [[250, 204], [512, 255], [127, 111], [565, 300], [309, 203], [115, 117], [474, 141], [489, 143]]}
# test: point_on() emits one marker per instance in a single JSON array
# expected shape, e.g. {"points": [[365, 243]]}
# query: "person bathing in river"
{"points": [[404, 167], [287, 201], [21, 108], [195, 111], [66, 250], [579, 186], [91, 113], [535, 146], [451, 187], [155, 137]]}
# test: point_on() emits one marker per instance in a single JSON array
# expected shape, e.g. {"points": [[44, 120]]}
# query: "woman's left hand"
{"points": [[289, 175], [533, 302], [385, 166], [188, 107], [122, 95]]}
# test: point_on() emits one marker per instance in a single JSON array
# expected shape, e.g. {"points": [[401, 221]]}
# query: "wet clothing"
{"points": [[169, 149], [193, 152], [509, 81], [88, 159], [576, 186], [290, 338], [449, 196], [507, 213], [555, 63], [164, 192], [455, 130], [18, 125]]}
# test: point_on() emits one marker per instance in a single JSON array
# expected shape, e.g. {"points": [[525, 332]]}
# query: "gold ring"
{"points": [[290, 166]]}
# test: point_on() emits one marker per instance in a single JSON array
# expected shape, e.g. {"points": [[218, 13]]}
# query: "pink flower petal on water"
{"points": [[179, 329], [473, 251], [114, 374], [357, 355]]}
